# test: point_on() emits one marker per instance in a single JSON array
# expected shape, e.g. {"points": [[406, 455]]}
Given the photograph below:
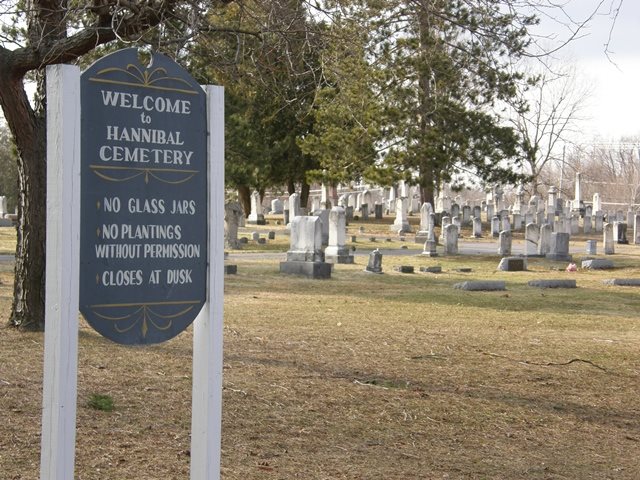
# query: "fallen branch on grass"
{"points": [[546, 364]]}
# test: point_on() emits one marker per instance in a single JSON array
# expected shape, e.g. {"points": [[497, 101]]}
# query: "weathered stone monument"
{"points": [[324, 226], [305, 256], [531, 239], [337, 251], [504, 243], [426, 211], [476, 227], [620, 233], [232, 215], [375, 262], [256, 217], [276, 206], [544, 243], [607, 239], [401, 223], [559, 247], [450, 239]]}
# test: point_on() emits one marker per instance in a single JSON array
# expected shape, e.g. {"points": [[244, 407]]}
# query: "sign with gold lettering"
{"points": [[143, 253]]}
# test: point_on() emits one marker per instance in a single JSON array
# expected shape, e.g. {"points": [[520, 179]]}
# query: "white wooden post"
{"points": [[206, 416], [63, 246]]}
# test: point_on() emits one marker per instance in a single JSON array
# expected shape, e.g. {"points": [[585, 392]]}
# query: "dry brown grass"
{"points": [[364, 377], [7, 240]]}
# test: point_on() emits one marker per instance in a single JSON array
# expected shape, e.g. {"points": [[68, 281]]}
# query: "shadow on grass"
{"points": [[625, 419], [428, 289]]}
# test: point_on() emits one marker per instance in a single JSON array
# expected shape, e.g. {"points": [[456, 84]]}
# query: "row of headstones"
{"points": [[540, 240], [504, 222]]}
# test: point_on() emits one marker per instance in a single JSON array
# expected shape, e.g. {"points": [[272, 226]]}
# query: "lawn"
{"points": [[392, 376]]}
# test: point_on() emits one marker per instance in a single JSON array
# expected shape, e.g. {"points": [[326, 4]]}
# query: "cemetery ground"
{"points": [[363, 376]]}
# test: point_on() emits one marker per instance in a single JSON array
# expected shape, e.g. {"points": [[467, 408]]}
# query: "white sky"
{"points": [[613, 110], [614, 107]]}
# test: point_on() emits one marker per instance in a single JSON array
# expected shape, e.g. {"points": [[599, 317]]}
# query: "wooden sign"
{"points": [[143, 243]]}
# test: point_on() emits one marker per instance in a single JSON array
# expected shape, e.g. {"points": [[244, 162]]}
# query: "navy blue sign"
{"points": [[143, 254]]}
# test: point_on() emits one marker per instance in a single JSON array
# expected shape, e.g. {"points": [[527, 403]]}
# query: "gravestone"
{"points": [[477, 212], [477, 227], [528, 218], [544, 242], [466, 215], [559, 247], [481, 285], [305, 256], [490, 210], [505, 223], [455, 210], [574, 225], [553, 283], [598, 223], [517, 222], [597, 264], [364, 211], [349, 213], [429, 249], [294, 208], [276, 206], [378, 211], [232, 215], [256, 217], [324, 226], [495, 226], [450, 239], [512, 264], [401, 222], [531, 239], [607, 239], [337, 251], [375, 262], [425, 222], [620, 233], [504, 243], [597, 204], [552, 200], [623, 282], [588, 211], [591, 247]]}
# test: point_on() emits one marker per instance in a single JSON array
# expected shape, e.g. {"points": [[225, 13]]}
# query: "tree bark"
{"points": [[304, 194], [28, 129], [47, 43], [244, 196]]}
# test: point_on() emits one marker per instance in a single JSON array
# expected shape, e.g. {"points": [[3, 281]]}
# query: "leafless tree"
{"points": [[547, 118]]}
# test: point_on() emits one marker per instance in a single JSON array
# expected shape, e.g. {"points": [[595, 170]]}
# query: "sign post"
{"points": [[61, 282], [206, 416], [135, 233]]}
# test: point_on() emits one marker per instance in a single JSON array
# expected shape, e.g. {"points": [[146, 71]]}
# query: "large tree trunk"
{"points": [[29, 131], [304, 194], [244, 196], [47, 43]]}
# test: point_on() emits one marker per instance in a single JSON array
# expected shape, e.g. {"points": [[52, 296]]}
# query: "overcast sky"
{"points": [[614, 108]]}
